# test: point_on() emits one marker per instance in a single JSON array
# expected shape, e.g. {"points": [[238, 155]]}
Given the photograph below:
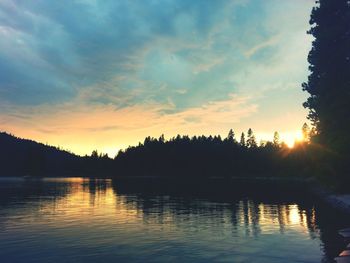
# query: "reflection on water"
{"points": [[83, 220]]}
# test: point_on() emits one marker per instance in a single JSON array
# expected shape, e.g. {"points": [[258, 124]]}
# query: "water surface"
{"points": [[100, 220]]}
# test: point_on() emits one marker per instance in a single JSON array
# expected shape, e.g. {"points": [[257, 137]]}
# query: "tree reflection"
{"points": [[257, 210], [238, 216]]}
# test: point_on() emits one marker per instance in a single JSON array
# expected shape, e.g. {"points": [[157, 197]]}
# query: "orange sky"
{"points": [[82, 129]]}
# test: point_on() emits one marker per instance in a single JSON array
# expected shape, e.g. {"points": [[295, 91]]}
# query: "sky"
{"points": [[104, 74]]}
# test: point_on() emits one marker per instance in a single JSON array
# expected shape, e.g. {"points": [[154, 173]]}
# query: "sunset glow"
{"points": [[291, 138], [196, 73]]}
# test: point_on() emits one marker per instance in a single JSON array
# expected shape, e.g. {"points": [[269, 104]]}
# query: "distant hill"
{"points": [[26, 157]]}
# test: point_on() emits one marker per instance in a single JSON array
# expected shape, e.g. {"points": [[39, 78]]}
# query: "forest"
{"points": [[179, 157], [213, 156]]}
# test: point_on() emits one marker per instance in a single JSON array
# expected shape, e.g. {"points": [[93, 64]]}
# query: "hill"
{"points": [[26, 157]]}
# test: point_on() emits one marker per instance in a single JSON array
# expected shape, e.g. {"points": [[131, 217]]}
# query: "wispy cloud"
{"points": [[146, 66], [127, 124], [49, 55]]}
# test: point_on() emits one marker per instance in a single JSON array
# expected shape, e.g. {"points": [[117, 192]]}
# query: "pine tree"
{"points": [[242, 141], [94, 154], [251, 141], [231, 136], [161, 139], [306, 132], [329, 80], [276, 139]]}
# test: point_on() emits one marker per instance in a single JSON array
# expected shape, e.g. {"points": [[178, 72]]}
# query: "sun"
{"points": [[290, 138]]}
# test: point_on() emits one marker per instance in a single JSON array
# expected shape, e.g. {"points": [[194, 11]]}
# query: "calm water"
{"points": [[83, 220]]}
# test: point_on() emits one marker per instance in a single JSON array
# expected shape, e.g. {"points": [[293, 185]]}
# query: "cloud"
{"points": [[109, 126], [147, 115], [146, 66], [216, 113], [50, 52], [270, 42]]}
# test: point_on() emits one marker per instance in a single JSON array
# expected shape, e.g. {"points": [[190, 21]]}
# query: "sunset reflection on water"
{"points": [[81, 219]]}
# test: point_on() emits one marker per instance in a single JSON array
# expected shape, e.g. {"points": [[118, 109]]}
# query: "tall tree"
{"points": [[161, 139], [94, 154], [329, 79], [251, 141], [242, 141], [276, 139], [305, 129], [231, 136]]}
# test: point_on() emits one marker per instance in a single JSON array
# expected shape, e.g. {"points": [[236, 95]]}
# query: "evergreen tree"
{"points": [[94, 154], [242, 141], [161, 139], [276, 139], [262, 143], [306, 132], [231, 136], [251, 141], [329, 80], [147, 141]]}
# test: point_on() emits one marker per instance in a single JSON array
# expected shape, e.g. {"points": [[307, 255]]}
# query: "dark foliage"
{"points": [[25, 157], [329, 85], [329, 81], [203, 157], [180, 157]]}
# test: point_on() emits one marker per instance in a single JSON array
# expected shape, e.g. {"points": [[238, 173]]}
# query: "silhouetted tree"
{"points": [[202, 156], [231, 136], [313, 132], [262, 143], [305, 129], [181, 156], [161, 139], [276, 139], [94, 154], [242, 140], [329, 80], [251, 141]]}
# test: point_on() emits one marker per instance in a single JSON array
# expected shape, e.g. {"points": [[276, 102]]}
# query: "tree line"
{"points": [[212, 156], [180, 156]]}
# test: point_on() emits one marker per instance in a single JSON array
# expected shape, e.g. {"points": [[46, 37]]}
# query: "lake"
{"points": [[101, 220]]}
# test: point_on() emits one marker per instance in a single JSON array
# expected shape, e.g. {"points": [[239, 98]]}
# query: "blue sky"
{"points": [[112, 72]]}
